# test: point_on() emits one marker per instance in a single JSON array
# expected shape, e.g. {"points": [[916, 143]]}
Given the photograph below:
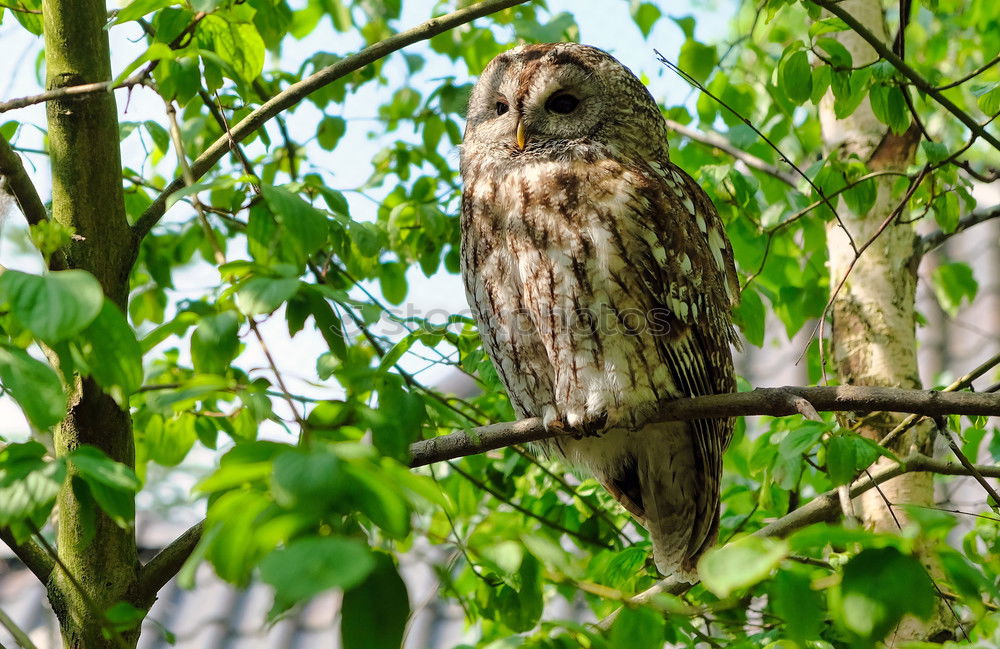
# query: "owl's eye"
{"points": [[502, 108], [563, 103]]}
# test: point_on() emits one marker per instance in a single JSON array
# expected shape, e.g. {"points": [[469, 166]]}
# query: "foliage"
{"points": [[277, 239]]}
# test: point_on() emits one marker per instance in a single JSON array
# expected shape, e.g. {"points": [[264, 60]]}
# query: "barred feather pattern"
{"points": [[602, 282]]}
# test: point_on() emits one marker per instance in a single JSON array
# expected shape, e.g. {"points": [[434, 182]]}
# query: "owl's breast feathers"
{"points": [[601, 289]]}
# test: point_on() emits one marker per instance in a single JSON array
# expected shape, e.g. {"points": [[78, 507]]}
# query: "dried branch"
{"points": [[776, 402], [31, 555], [933, 240], [297, 91], [718, 141], [918, 81]]}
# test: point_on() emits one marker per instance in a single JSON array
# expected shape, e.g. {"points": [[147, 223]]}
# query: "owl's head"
{"points": [[552, 99]]}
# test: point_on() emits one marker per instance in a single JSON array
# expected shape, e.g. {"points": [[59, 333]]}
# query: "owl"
{"points": [[602, 282]]}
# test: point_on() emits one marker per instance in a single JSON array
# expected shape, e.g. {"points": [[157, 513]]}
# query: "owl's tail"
{"points": [[679, 487]]}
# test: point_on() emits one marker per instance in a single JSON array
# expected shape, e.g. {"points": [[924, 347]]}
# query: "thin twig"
{"points": [[182, 161], [943, 430], [933, 240], [821, 325], [701, 87], [975, 73], [876, 44], [960, 384], [297, 91], [718, 141], [527, 512]]}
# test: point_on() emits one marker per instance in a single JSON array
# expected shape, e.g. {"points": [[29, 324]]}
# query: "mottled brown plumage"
{"points": [[602, 281]]}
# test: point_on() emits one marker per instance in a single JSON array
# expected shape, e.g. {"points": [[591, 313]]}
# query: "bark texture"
{"points": [[102, 563], [874, 337]]}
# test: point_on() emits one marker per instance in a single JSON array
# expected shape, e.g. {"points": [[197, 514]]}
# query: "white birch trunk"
{"points": [[873, 338]]}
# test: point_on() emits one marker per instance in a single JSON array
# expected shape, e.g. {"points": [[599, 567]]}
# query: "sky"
{"points": [[603, 23]]}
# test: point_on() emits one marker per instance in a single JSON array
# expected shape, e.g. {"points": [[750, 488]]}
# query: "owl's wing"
{"points": [[696, 282]]}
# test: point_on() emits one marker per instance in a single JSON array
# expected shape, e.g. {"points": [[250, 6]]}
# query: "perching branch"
{"points": [[298, 91], [933, 240], [918, 81], [19, 184], [718, 141], [776, 402]]}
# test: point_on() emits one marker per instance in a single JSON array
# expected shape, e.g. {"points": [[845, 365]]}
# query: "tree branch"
{"points": [[19, 184], [911, 74], [718, 141], [776, 402], [30, 554], [155, 574], [297, 91], [934, 239]]}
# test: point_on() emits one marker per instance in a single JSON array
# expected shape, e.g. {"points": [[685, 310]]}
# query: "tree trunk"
{"points": [[87, 195], [874, 338]]}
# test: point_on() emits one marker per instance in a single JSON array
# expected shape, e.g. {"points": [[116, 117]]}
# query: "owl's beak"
{"points": [[520, 136]]}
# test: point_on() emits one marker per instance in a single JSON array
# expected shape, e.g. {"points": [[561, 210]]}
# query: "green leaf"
{"points": [[54, 306], [307, 226], [311, 565], [750, 316], [112, 354], [520, 605], [740, 563], [697, 60], [645, 15], [34, 385], [946, 211], [935, 151], [795, 76], [839, 55], [215, 343], [237, 44], [95, 466], [167, 442], [260, 295], [379, 501], [392, 281], [840, 459], [139, 8], [28, 484], [827, 25], [988, 97], [374, 613], [307, 478], [112, 484], [802, 608], [329, 132], [953, 284], [877, 588], [889, 107], [637, 628]]}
